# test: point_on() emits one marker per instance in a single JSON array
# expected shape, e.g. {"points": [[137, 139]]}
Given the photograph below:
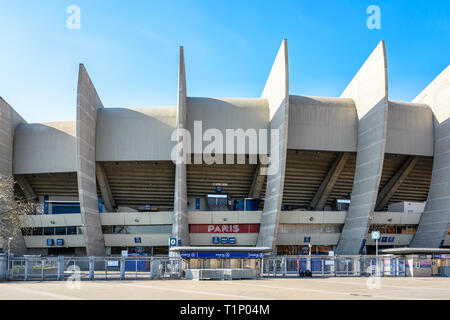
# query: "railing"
{"points": [[93, 268], [137, 268], [352, 266]]}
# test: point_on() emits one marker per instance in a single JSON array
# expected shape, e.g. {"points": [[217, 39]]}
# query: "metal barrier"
{"points": [[135, 268], [90, 268], [340, 266]]}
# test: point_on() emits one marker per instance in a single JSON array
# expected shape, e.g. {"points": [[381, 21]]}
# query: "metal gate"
{"points": [[93, 268]]}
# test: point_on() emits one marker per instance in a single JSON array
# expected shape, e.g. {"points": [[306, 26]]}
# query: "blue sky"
{"points": [[130, 49]]}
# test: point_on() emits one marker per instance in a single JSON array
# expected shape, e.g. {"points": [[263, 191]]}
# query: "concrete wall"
{"points": [[326, 239], [9, 120], [135, 134], [227, 113], [88, 102], [45, 147], [70, 241], [180, 227], [120, 240], [435, 220], [369, 90], [317, 123], [409, 129], [276, 92], [205, 239]]}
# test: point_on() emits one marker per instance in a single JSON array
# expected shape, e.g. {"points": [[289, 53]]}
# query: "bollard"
{"points": [[91, 268]]}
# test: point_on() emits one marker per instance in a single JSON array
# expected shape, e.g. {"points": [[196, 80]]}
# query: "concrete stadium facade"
{"points": [[115, 167]]}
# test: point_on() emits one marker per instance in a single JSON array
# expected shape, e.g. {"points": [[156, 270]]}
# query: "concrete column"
{"points": [[26, 187], [9, 120], [327, 185], [276, 92], [369, 90], [435, 219], [180, 226], [395, 182], [103, 184], [88, 102], [258, 181]]}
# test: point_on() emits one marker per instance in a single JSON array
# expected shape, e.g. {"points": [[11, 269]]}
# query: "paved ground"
{"points": [[319, 288]]}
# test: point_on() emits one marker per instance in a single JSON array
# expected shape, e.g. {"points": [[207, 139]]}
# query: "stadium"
{"points": [[108, 182]]}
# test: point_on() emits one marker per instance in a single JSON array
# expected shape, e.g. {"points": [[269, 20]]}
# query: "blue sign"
{"points": [[50, 242], [46, 205], [223, 240], [228, 255], [391, 239], [376, 235], [307, 239], [100, 204], [232, 240], [137, 240], [384, 239], [197, 203], [172, 242], [59, 242], [215, 240]]}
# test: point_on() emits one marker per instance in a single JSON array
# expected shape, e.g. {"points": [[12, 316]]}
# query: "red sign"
{"points": [[224, 228]]}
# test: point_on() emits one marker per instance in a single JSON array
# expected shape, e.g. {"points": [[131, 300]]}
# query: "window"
{"points": [[27, 231], [60, 231], [37, 231], [49, 231], [164, 228], [71, 230]]}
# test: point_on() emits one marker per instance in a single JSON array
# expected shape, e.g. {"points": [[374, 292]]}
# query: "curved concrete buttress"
{"points": [[369, 90], [9, 120], [435, 220], [180, 226], [88, 102], [276, 92]]}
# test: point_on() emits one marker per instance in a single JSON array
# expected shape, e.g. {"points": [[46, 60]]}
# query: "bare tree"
{"points": [[12, 210]]}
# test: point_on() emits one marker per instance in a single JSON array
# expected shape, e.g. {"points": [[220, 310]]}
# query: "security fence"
{"points": [[353, 266], [136, 268], [90, 268]]}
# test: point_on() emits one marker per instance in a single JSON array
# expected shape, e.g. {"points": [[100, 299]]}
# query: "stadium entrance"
{"points": [[221, 262]]}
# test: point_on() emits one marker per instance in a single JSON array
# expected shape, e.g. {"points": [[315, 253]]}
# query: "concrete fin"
{"points": [[88, 102], [431, 231], [180, 227], [369, 91], [276, 92]]}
